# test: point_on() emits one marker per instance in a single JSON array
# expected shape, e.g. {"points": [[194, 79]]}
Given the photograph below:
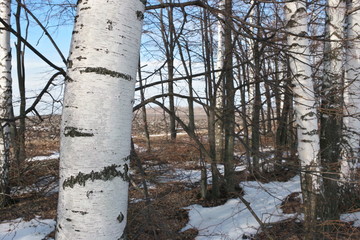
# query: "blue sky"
{"points": [[37, 71]]}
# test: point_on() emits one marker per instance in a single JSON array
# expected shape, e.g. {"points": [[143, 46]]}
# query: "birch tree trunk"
{"points": [[305, 111], [249, 106], [352, 93], [96, 124], [219, 86], [250, 55], [5, 102]]}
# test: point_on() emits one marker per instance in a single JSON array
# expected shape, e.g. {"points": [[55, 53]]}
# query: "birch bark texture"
{"points": [[352, 92], [305, 109], [219, 86], [96, 124], [5, 101], [250, 55]]}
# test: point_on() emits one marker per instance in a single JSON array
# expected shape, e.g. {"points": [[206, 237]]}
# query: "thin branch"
{"points": [[10, 29], [184, 4], [44, 29], [38, 98]]}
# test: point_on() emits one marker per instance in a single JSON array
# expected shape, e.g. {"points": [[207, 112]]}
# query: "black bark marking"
{"points": [[88, 193], [80, 212], [120, 218], [80, 58], [139, 15], [108, 173], [69, 63], [109, 25], [309, 114], [76, 132], [104, 71], [143, 2], [311, 133], [84, 8], [68, 106], [68, 219]]}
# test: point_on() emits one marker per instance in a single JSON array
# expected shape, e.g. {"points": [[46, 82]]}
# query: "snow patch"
{"points": [[193, 175], [55, 155], [351, 217], [18, 229], [233, 220]]}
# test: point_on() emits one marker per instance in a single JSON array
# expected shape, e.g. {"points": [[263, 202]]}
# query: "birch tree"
{"points": [[5, 100], [305, 110], [96, 124], [219, 86], [352, 92]]}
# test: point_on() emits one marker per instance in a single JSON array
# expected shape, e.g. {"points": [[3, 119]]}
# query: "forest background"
{"points": [[276, 81]]}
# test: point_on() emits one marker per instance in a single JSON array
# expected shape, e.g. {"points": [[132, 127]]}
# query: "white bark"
{"points": [[332, 103], [219, 138], [336, 12], [308, 141], [352, 93], [96, 124], [5, 99], [305, 109], [250, 55]]}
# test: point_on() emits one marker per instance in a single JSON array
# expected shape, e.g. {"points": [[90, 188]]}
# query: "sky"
{"points": [[37, 71]]}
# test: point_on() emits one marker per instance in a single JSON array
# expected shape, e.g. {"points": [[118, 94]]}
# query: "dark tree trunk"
{"points": [[229, 111], [19, 144]]}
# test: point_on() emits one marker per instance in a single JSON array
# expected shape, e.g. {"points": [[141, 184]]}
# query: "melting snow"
{"points": [[351, 217], [44, 158], [18, 229], [233, 220], [229, 221]]}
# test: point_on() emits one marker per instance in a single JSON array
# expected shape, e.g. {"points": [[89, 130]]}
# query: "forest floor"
{"points": [[174, 208]]}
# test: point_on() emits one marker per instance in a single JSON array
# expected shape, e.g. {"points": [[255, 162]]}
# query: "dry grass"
{"points": [[163, 215]]}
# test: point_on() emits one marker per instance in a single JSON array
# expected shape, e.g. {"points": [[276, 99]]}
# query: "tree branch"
{"points": [[27, 44]]}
